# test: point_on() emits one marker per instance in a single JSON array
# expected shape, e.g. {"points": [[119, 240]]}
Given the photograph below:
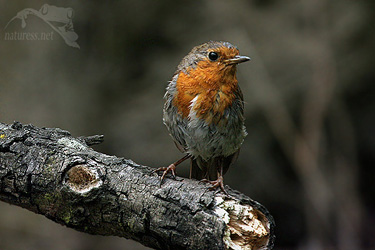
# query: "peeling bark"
{"points": [[49, 172]]}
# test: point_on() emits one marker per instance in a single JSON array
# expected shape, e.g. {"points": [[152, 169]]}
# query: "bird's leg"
{"points": [[171, 168], [219, 182]]}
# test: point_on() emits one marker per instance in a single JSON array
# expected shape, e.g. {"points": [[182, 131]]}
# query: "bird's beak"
{"points": [[237, 59]]}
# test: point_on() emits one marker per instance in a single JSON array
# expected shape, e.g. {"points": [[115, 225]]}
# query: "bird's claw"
{"points": [[171, 168], [215, 184]]}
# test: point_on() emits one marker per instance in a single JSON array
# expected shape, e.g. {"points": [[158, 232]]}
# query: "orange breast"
{"points": [[213, 83]]}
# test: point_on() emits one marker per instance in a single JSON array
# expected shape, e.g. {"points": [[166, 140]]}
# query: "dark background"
{"points": [[309, 91]]}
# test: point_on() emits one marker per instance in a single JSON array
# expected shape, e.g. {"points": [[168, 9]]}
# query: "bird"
{"points": [[204, 112]]}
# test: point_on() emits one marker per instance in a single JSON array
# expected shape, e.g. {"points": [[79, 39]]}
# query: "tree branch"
{"points": [[49, 172]]}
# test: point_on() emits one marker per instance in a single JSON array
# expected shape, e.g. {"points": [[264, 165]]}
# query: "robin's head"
{"points": [[209, 70], [211, 57]]}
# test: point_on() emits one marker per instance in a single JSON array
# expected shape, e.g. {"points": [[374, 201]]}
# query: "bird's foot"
{"points": [[215, 184], [171, 168]]}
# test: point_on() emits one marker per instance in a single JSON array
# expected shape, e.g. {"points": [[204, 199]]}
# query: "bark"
{"points": [[49, 172]]}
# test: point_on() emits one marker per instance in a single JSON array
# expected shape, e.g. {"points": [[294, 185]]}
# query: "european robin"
{"points": [[204, 111]]}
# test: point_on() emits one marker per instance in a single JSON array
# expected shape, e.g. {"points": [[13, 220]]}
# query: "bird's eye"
{"points": [[213, 56]]}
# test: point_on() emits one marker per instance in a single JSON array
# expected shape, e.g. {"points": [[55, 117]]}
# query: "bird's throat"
{"points": [[206, 92]]}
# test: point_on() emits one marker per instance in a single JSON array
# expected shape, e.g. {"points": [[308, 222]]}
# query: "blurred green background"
{"points": [[309, 91]]}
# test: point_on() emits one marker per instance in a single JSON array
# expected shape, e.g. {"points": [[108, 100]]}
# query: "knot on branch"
{"points": [[82, 179]]}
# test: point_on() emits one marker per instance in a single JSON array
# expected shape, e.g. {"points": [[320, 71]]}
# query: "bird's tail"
{"points": [[201, 169]]}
